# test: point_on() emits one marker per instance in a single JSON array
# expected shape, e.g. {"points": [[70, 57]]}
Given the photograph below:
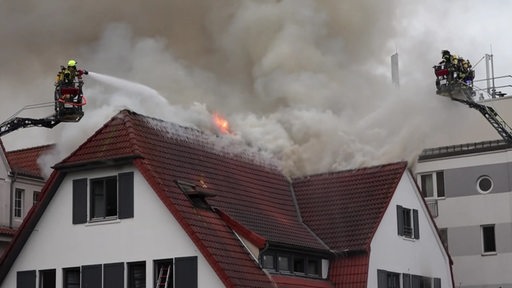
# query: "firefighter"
{"points": [[446, 57], [66, 76], [449, 63]]}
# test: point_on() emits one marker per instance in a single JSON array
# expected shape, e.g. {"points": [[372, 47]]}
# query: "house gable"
{"points": [[396, 253], [152, 234]]}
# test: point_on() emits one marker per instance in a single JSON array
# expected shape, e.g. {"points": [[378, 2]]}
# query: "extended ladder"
{"points": [[163, 276], [492, 117]]}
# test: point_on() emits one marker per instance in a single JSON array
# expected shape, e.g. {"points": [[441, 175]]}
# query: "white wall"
{"points": [[473, 211], [391, 252], [5, 188], [152, 234]]}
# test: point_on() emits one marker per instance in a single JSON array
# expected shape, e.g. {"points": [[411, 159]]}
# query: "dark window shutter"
{"points": [[406, 280], [185, 272], [437, 282], [125, 195], [416, 281], [80, 201], [382, 279], [400, 219], [440, 184], [416, 224], [26, 279], [91, 276], [113, 275]]}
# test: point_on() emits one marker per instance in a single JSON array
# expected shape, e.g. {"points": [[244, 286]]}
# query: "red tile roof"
{"points": [[283, 281], [350, 270], [24, 161], [255, 201], [258, 197], [345, 208]]}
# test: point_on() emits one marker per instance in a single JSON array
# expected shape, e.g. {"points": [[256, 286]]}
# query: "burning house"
{"points": [[146, 203]]}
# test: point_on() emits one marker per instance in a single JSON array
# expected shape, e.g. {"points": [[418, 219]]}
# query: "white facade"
{"points": [[463, 215], [425, 256], [5, 190], [151, 234]]}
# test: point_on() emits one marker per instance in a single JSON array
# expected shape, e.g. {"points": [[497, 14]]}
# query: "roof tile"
{"points": [[24, 161], [345, 208]]}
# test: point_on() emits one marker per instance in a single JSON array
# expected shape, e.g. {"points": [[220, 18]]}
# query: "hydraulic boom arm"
{"points": [[18, 122]]}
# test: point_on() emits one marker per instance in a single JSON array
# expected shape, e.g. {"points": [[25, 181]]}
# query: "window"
{"points": [[488, 239], [18, 202], [314, 267], [71, 277], [283, 263], [163, 273], [268, 262], [103, 198], [484, 184], [47, 278], [300, 264], [408, 223], [432, 185], [137, 275], [386, 279], [195, 194], [418, 281], [35, 197]]}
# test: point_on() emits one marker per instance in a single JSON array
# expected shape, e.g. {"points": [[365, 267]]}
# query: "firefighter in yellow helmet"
{"points": [[66, 76]]}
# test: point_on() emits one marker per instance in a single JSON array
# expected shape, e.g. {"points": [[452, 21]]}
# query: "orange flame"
{"points": [[221, 123]]}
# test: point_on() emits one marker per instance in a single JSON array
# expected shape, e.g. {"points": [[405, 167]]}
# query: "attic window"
{"points": [[195, 194]]}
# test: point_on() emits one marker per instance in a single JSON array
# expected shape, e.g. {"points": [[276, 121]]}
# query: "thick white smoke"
{"points": [[304, 80]]}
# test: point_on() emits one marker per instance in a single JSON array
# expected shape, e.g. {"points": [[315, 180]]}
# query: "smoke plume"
{"points": [[307, 81]]}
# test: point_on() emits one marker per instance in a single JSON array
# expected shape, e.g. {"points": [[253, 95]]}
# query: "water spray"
{"points": [[128, 85]]}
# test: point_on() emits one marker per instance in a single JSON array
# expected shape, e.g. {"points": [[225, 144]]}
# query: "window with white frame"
{"points": [[103, 197], [19, 196], [432, 184]]}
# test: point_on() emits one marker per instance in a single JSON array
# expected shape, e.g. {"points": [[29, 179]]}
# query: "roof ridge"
{"points": [[353, 170], [30, 148]]}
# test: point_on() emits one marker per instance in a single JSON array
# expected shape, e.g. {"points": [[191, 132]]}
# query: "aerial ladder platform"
{"points": [[464, 92], [68, 102]]}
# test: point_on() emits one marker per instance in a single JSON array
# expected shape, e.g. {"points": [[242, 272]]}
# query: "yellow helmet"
{"points": [[71, 63]]}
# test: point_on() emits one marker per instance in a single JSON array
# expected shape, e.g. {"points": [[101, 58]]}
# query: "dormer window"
{"points": [[286, 262], [195, 194]]}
